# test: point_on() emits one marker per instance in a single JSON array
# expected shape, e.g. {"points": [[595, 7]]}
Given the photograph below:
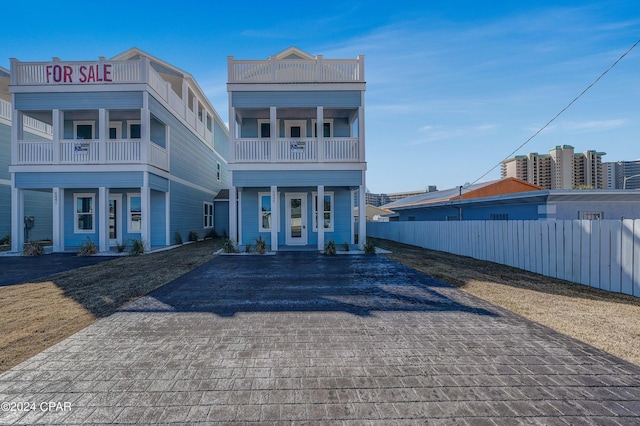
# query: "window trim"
{"points": [[77, 230], [129, 124], [91, 123], [314, 202], [315, 127], [115, 125], [262, 121], [130, 229], [260, 227], [207, 219], [288, 124]]}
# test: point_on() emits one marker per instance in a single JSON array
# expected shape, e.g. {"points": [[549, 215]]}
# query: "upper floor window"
{"points": [[295, 129], [264, 129], [208, 215], [327, 129], [115, 130], [135, 129], [83, 129]]}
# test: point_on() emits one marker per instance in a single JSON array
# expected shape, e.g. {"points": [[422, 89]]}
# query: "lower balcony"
{"points": [[261, 150], [91, 151]]}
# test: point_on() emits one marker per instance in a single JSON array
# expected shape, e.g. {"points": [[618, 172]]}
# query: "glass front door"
{"points": [[296, 214], [115, 214]]}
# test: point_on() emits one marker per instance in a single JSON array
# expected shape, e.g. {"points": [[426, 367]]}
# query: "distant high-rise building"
{"points": [[622, 174], [560, 169]]}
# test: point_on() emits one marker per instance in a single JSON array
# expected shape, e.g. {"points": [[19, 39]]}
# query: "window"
{"points": [[209, 123], [134, 215], [83, 129], [264, 206], [327, 129], [295, 129], [83, 213], [208, 215], [115, 130], [499, 216], [218, 171], [591, 215], [135, 130], [264, 129], [328, 211]]}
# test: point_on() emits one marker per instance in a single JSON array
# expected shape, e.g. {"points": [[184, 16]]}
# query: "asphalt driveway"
{"points": [[304, 337]]}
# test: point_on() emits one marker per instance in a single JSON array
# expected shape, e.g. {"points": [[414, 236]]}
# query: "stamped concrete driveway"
{"points": [[303, 337]]}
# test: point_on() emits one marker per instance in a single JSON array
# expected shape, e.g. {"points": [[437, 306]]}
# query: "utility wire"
{"points": [[561, 111]]}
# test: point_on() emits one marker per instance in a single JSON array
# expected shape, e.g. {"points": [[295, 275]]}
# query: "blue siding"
{"points": [[249, 128], [221, 217], [221, 138], [300, 177], [39, 205], [79, 180], [327, 98], [79, 100], [158, 132], [158, 183], [158, 219], [5, 210], [5, 151], [187, 211]]}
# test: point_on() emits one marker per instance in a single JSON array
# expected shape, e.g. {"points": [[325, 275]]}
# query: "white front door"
{"points": [[296, 215], [115, 219]]}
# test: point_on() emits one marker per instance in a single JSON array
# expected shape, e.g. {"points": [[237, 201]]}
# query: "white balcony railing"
{"points": [[88, 151], [296, 150], [5, 110], [296, 71]]}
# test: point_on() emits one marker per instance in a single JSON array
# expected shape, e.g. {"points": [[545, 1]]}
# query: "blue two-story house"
{"points": [[136, 151], [296, 150]]}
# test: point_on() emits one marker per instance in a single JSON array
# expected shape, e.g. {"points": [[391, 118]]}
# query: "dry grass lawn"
{"points": [[608, 321], [34, 316]]}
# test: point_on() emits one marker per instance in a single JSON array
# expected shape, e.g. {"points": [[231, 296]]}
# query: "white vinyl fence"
{"points": [[599, 253]]}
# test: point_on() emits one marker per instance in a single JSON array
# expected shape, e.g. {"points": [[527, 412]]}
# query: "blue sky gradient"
{"points": [[452, 86]]}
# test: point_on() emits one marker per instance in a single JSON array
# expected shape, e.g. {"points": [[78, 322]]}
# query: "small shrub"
{"points": [[211, 233], [370, 247], [330, 248], [137, 247], [346, 247], [6, 240], [178, 238], [33, 248], [261, 245], [193, 236], [247, 248], [228, 246], [88, 248], [121, 247]]}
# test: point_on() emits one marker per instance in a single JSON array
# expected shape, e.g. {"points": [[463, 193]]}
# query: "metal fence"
{"points": [[603, 254]]}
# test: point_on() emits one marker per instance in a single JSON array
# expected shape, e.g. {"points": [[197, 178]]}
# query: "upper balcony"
{"points": [[296, 66]]}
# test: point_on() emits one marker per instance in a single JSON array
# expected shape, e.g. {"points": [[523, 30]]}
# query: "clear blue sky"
{"points": [[452, 86]]}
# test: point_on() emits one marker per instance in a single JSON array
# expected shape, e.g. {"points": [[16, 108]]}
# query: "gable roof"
{"points": [[294, 53], [478, 190]]}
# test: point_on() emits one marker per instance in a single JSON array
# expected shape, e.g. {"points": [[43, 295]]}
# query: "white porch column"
{"points": [[273, 131], [57, 120], [233, 214], [352, 217], [362, 214], [361, 151], [58, 219], [103, 126], [16, 133], [232, 133], [17, 218], [145, 129], [275, 218], [103, 218], [239, 215], [320, 218], [167, 213], [320, 132], [145, 207]]}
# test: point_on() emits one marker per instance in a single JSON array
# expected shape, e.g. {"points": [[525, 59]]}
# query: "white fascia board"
{"points": [[258, 167], [80, 168], [294, 87], [87, 88]]}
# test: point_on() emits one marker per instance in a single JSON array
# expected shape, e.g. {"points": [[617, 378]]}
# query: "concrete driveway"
{"points": [[304, 337]]}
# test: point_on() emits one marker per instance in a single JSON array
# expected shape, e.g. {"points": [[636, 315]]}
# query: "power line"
{"points": [[561, 111]]}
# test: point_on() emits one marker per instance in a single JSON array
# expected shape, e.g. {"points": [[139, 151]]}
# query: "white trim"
{"points": [[325, 121], [91, 123], [262, 121], [304, 236], [5, 182], [92, 212], [287, 87], [118, 219], [131, 123], [314, 194], [296, 166], [130, 229], [207, 218], [115, 125], [288, 124]]}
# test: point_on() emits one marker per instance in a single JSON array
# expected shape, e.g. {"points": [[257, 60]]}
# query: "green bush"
{"points": [[370, 247], [228, 246], [33, 248], [330, 248], [6, 240], [88, 248], [193, 236], [261, 245], [178, 238], [137, 247]]}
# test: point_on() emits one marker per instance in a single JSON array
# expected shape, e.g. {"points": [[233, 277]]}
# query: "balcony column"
{"points": [[320, 133], [361, 151], [57, 128], [145, 129], [103, 218], [275, 218], [232, 133], [58, 219], [233, 214], [273, 131], [320, 216], [362, 214], [103, 129], [145, 211], [17, 217], [17, 134]]}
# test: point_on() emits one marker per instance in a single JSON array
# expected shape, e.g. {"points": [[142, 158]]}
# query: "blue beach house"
{"points": [[135, 151], [296, 150]]}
